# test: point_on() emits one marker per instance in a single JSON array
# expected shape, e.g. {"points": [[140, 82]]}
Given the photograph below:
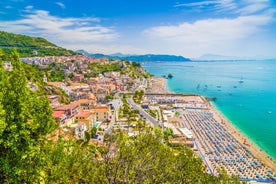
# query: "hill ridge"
{"points": [[138, 58], [28, 46]]}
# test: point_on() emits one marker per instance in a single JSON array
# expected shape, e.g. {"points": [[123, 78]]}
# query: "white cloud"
{"points": [[218, 5], [28, 8], [60, 30], [60, 4], [73, 33], [211, 30], [209, 35], [244, 7], [226, 5], [251, 7], [202, 3]]}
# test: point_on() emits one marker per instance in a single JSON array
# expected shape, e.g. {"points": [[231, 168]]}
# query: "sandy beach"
{"points": [[257, 151], [158, 85]]}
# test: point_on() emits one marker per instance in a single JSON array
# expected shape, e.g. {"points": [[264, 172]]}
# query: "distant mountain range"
{"points": [[137, 58], [215, 57]]}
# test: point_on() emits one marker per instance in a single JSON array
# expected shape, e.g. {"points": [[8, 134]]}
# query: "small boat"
{"points": [[234, 86], [269, 112], [241, 80]]}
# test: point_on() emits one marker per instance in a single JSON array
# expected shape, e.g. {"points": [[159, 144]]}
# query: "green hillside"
{"points": [[27, 45]]}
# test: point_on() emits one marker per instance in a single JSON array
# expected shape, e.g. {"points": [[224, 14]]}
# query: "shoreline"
{"points": [[256, 150], [158, 85]]}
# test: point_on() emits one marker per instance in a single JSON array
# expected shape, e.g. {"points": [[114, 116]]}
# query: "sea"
{"points": [[244, 91]]}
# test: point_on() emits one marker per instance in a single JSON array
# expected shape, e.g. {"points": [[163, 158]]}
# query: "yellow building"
{"points": [[85, 117], [102, 113]]}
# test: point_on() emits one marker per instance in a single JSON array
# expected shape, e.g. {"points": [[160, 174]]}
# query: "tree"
{"points": [[145, 159], [71, 76], [27, 120], [93, 132]]}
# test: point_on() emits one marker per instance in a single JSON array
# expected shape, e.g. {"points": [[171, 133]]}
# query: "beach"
{"points": [[257, 152], [248, 152], [158, 85]]}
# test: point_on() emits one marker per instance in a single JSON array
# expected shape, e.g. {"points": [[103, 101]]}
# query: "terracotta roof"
{"points": [[76, 84], [101, 109], [58, 114], [67, 107], [85, 114], [85, 101]]}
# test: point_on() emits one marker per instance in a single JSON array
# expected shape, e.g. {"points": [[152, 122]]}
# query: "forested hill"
{"points": [[138, 58], [17, 40], [30, 46]]}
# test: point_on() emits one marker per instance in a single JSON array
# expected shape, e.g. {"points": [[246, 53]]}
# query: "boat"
{"points": [[241, 80], [234, 86]]}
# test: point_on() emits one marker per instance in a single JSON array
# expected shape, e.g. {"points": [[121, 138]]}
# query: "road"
{"points": [[116, 104], [142, 112]]}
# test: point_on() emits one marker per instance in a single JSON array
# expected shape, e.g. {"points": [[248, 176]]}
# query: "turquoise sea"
{"points": [[245, 92]]}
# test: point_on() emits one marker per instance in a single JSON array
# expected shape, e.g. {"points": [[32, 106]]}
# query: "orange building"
{"points": [[102, 113], [85, 117]]}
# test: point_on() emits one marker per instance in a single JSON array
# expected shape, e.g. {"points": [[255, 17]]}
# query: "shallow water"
{"points": [[245, 92]]}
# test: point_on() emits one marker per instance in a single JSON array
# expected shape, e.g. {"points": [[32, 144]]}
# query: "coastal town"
{"points": [[131, 98], [138, 92]]}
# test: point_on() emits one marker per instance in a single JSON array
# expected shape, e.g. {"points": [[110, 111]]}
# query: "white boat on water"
{"points": [[241, 80]]}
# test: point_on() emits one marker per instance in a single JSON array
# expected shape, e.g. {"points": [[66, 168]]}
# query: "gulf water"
{"points": [[245, 92]]}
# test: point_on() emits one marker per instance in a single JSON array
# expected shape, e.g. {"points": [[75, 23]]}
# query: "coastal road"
{"points": [[142, 112]]}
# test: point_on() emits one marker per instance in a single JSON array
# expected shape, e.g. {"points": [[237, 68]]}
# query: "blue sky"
{"points": [[245, 28]]}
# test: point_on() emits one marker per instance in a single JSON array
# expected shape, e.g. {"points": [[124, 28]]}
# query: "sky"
{"points": [[243, 28]]}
